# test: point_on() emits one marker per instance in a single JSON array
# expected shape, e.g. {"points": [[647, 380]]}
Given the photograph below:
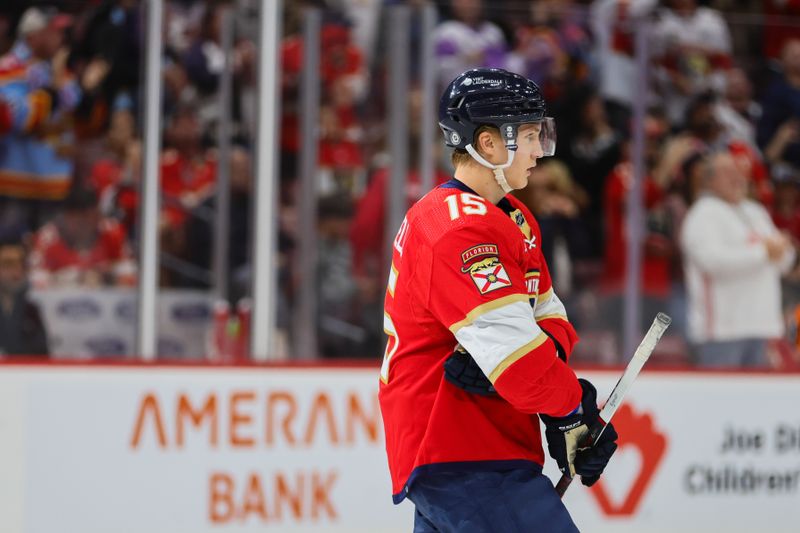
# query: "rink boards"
{"points": [[168, 449]]}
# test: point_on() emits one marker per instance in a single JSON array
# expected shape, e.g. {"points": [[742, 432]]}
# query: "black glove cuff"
{"points": [[587, 414], [461, 370]]}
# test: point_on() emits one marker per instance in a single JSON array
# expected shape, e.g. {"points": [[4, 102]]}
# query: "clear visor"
{"points": [[547, 136]]}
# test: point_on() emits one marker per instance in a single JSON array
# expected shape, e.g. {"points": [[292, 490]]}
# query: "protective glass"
{"points": [[547, 136]]}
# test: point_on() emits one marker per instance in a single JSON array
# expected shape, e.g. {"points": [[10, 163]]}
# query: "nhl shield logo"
{"points": [[488, 275]]}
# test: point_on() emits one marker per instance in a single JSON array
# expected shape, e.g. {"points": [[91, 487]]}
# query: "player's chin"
{"points": [[526, 174], [519, 182]]}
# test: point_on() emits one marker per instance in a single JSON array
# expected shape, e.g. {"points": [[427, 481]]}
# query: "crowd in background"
{"points": [[723, 100]]}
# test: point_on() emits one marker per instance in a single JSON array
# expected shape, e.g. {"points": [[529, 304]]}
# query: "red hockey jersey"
{"points": [[465, 271]]}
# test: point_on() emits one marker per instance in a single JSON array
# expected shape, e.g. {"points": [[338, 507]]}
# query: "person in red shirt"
{"points": [[478, 339], [343, 77], [108, 170], [657, 246], [188, 170], [81, 248]]}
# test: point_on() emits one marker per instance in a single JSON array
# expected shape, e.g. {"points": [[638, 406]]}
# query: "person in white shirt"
{"points": [[613, 23], [733, 257], [467, 41], [736, 111], [693, 47]]}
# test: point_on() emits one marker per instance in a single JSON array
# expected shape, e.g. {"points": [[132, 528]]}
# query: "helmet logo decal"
{"points": [[455, 138], [467, 81], [480, 80]]}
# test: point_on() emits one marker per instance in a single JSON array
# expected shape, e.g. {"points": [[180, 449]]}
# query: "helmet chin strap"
{"points": [[496, 169]]}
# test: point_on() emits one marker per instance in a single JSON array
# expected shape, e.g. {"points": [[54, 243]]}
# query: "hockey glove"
{"points": [[567, 439], [461, 370]]}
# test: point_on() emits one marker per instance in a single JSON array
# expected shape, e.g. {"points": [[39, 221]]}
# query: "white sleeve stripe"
{"points": [[550, 307], [485, 308], [497, 334]]}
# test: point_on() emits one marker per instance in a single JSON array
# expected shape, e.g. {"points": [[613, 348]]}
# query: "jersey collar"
{"points": [[453, 183], [460, 185]]}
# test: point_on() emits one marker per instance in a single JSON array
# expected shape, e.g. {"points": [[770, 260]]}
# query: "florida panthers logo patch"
{"points": [[488, 275]]}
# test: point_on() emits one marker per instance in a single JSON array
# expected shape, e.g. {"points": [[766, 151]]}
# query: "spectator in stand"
{"points": [[188, 176], [553, 48], [780, 25], [693, 47], [80, 248], [779, 127], [786, 216], [370, 265], [188, 169], [468, 41], [365, 15], [107, 55], [22, 332], [182, 21], [341, 132], [200, 231], [37, 95], [704, 133], [368, 227], [682, 190], [657, 249], [340, 332], [344, 81], [107, 169], [786, 207], [734, 257], [737, 112], [120, 199], [591, 148], [612, 24], [205, 60]]}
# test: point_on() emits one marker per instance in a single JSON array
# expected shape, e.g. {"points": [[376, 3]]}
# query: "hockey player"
{"points": [[478, 340]]}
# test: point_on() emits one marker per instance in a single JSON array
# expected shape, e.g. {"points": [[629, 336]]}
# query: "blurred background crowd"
{"points": [[722, 122]]}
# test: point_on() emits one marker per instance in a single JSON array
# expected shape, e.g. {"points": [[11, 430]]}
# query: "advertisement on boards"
{"points": [[222, 449]]}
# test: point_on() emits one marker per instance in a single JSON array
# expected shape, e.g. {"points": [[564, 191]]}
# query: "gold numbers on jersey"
{"points": [[393, 341], [391, 346], [400, 239], [466, 203], [392, 280]]}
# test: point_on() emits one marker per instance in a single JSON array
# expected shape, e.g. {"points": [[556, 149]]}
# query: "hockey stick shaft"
{"points": [[640, 357]]}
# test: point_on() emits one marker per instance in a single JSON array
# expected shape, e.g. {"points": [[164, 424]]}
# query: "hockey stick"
{"points": [[640, 357]]}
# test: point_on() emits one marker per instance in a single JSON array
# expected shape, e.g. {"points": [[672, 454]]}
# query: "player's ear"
{"points": [[486, 142]]}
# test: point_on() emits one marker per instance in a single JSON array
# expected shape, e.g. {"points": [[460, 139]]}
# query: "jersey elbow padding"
{"points": [[500, 333]]}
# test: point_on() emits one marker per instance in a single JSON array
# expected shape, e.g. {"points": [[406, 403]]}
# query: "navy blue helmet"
{"points": [[494, 97]]}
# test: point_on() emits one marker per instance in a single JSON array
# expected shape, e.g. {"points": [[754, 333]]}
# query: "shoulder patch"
{"points": [[488, 274], [479, 251]]}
